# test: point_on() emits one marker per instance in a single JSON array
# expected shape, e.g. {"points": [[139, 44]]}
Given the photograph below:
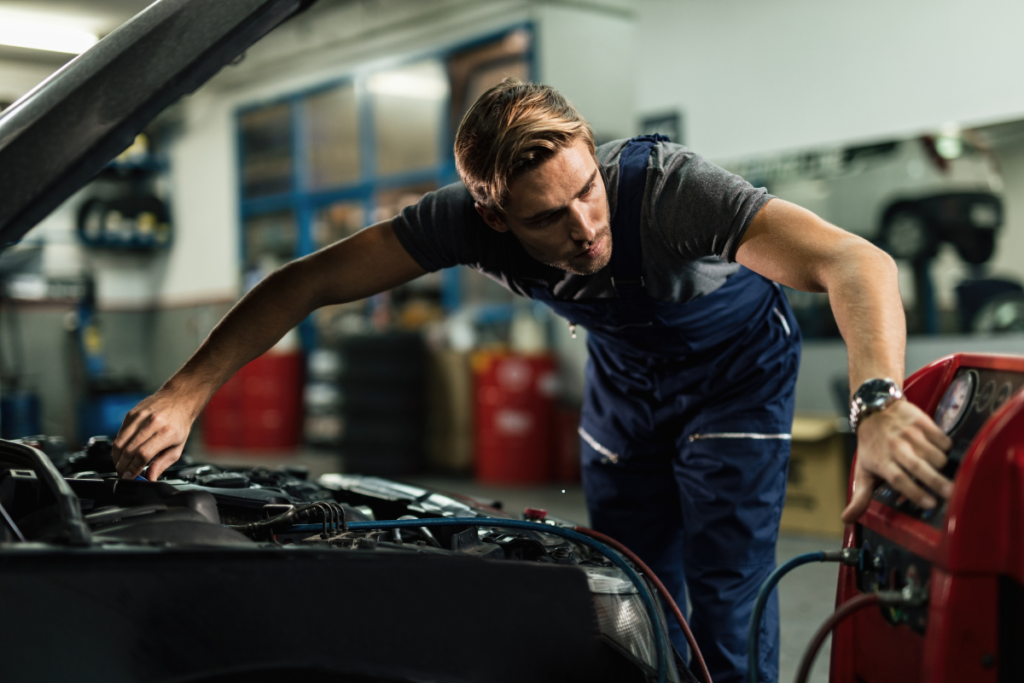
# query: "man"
{"points": [[671, 264]]}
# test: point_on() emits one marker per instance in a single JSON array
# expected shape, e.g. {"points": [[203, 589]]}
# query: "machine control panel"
{"points": [[973, 396], [886, 566]]}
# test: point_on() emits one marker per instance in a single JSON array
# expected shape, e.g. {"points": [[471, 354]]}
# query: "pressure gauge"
{"points": [[954, 403]]}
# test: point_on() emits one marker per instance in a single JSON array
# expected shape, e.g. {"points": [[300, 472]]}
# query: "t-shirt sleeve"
{"points": [[442, 229], [700, 209]]}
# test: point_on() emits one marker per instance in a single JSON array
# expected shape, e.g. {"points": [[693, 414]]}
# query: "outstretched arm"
{"points": [[793, 246], [369, 262]]}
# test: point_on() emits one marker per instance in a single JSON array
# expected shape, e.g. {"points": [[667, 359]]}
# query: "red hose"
{"points": [[849, 607], [702, 669]]}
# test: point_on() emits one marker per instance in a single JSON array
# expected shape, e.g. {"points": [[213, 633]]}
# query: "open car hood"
{"points": [[57, 137]]}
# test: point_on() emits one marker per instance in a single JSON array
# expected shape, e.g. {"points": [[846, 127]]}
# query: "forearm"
{"points": [[273, 307], [863, 290]]}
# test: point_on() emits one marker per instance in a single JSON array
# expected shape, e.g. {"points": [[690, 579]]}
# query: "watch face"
{"points": [[954, 403], [875, 393]]}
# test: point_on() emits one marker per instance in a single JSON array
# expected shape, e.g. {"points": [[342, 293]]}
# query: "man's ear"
{"points": [[491, 218]]}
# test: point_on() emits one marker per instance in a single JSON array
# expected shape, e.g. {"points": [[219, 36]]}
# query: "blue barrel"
{"points": [[19, 414]]}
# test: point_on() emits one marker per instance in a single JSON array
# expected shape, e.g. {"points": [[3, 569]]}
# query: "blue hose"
{"points": [[660, 639], [753, 635]]}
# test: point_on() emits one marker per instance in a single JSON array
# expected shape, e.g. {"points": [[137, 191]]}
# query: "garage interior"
{"points": [[346, 114]]}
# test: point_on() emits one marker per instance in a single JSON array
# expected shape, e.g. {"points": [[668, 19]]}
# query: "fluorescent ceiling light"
{"points": [[40, 35], [420, 84]]}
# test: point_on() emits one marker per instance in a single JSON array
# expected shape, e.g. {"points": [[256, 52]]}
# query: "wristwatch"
{"points": [[871, 397]]}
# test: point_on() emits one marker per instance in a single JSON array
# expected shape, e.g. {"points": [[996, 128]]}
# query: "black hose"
{"points": [[848, 556], [849, 607]]}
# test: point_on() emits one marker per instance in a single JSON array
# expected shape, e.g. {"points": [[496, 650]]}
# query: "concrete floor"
{"points": [[807, 596]]}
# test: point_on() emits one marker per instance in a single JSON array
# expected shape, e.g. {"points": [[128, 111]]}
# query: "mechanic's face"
{"points": [[559, 212]]}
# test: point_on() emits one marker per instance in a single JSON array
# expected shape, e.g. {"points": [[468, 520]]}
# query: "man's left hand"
{"points": [[900, 444]]}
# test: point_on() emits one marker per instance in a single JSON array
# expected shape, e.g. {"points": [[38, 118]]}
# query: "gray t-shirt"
{"points": [[693, 216]]}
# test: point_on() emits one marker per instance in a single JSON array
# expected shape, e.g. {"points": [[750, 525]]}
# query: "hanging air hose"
{"points": [[660, 640], [849, 556], [698, 658]]}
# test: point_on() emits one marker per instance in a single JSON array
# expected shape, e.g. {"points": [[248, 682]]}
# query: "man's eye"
{"points": [[588, 189], [546, 220]]}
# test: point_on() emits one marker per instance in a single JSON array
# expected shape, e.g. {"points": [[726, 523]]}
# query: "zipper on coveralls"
{"points": [[572, 329], [739, 435]]}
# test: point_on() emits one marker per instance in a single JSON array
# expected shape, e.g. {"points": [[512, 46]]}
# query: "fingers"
{"points": [[133, 433], [134, 467], [913, 464], [124, 434], [901, 481], [144, 429], [863, 485], [146, 437], [935, 435], [134, 464], [927, 450], [161, 462]]}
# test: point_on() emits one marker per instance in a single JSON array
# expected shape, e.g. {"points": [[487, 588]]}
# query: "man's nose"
{"points": [[581, 228]]}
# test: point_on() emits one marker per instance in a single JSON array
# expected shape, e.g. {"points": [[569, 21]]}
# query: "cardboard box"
{"points": [[817, 482], [449, 433]]}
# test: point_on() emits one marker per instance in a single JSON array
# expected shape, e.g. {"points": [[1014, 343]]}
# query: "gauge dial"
{"points": [[985, 396], [954, 404], [1004, 393]]}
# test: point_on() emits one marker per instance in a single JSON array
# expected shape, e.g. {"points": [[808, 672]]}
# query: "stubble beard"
{"points": [[571, 264]]}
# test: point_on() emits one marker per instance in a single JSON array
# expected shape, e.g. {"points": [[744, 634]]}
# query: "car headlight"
{"points": [[621, 616]]}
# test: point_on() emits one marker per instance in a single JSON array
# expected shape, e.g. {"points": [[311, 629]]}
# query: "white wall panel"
{"points": [[755, 76], [589, 57], [17, 78]]}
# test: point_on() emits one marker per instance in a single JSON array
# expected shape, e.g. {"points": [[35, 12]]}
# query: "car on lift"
{"points": [[907, 196], [215, 575]]}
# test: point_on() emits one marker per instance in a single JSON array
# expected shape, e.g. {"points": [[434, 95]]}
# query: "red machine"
{"points": [[968, 554]]}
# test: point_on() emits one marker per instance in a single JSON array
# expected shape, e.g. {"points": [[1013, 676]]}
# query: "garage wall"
{"points": [[589, 57], [755, 77], [17, 78], [1007, 259], [315, 48], [824, 362], [581, 48]]}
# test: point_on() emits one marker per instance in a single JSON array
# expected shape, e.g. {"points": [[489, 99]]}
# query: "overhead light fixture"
{"points": [[949, 144], [421, 82], [42, 35]]}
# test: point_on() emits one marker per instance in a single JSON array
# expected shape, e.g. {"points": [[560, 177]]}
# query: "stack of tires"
{"points": [[380, 401]]}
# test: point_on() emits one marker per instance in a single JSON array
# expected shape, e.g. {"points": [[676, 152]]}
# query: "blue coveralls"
{"points": [[685, 433]]}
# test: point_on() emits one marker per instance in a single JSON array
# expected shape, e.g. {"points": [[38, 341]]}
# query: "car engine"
{"points": [[197, 505]]}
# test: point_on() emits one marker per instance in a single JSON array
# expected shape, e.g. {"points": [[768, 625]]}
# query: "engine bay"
{"points": [[203, 504], [54, 498]]}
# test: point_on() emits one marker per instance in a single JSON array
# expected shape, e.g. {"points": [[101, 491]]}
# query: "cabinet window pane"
{"points": [[473, 71], [270, 242], [332, 137], [408, 112], [388, 203], [338, 221], [267, 151]]}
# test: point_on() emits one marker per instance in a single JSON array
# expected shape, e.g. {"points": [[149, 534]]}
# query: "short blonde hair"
{"points": [[510, 129]]}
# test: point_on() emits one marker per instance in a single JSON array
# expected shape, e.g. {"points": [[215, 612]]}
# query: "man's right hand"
{"points": [[153, 433]]}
